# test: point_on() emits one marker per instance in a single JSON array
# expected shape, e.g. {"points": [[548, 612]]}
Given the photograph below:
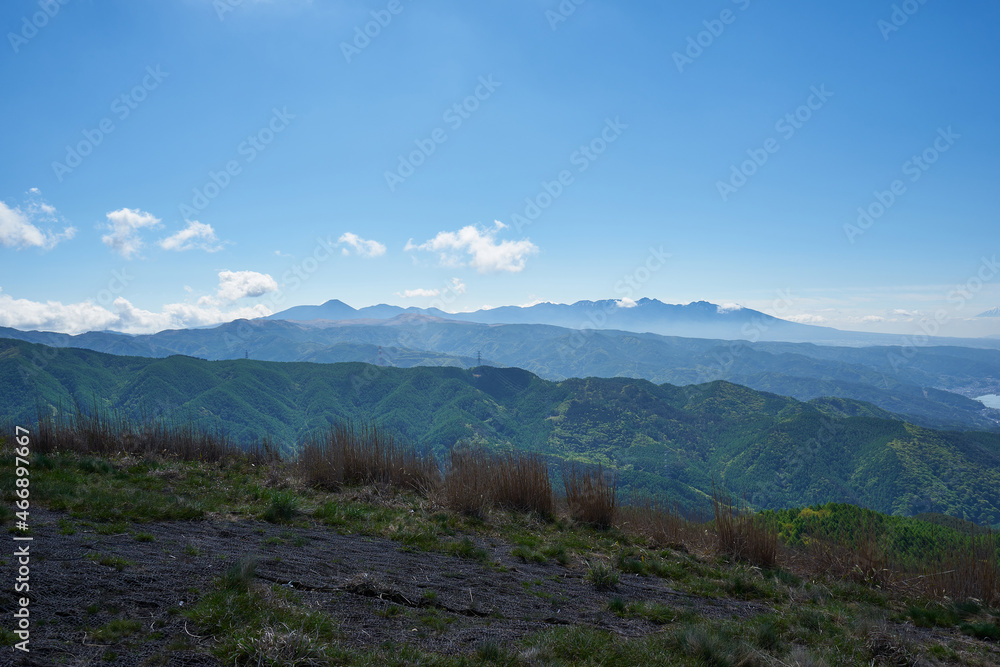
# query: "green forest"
{"points": [[775, 452]]}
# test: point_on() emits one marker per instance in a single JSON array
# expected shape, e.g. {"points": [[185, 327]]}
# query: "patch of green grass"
{"points": [[715, 646], [143, 537], [7, 637], [690, 645], [115, 528], [116, 562], [744, 588], [418, 539], [191, 550], [602, 577], [466, 548], [943, 652], [390, 611], [556, 552], [963, 614], [850, 591], [259, 625], [283, 507], [981, 630], [528, 555], [654, 612], [631, 562], [115, 630], [783, 577], [435, 620], [491, 653], [767, 635], [95, 466]]}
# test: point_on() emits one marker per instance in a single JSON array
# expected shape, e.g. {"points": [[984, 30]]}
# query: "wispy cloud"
{"points": [[806, 318], [454, 285], [418, 293], [196, 236]]}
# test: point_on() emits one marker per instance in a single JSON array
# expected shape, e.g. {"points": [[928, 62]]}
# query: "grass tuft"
{"points": [[744, 536], [602, 577], [591, 496]]}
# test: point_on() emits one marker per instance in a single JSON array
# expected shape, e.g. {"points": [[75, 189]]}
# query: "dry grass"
{"points": [[661, 522], [365, 455], [743, 535], [465, 484], [112, 434], [973, 573], [591, 496], [478, 479], [520, 482]]}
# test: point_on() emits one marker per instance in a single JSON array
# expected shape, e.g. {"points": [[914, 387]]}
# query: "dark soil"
{"points": [[355, 579]]}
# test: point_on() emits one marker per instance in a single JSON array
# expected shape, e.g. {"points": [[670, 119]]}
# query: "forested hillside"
{"points": [[930, 386], [774, 450]]}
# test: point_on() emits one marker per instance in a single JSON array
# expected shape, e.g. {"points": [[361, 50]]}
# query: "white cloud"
{"points": [[235, 285], [454, 285], [87, 316], [19, 228], [870, 319], [478, 247], [196, 236], [53, 315], [418, 293], [124, 225], [805, 319], [361, 247], [626, 302], [729, 307]]}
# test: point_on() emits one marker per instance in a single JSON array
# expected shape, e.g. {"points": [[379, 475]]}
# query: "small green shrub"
{"points": [[283, 508], [602, 577]]}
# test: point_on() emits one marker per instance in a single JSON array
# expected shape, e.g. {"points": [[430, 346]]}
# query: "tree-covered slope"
{"points": [[929, 386], [776, 451]]}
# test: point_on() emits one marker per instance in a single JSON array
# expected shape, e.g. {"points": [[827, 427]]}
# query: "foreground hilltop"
{"points": [[179, 550]]}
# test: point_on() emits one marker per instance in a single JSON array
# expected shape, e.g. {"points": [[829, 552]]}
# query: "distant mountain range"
{"points": [[658, 437], [696, 320], [929, 386], [699, 319], [992, 312]]}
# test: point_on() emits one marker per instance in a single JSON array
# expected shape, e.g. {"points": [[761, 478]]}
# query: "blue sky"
{"points": [[178, 162]]}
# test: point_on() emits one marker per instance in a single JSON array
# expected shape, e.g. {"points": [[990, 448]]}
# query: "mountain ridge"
{"points": [[935, 388], [662, 438], [698, 319]]}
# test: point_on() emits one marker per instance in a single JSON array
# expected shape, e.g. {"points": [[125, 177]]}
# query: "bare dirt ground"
{"points": [[355, 579]]}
